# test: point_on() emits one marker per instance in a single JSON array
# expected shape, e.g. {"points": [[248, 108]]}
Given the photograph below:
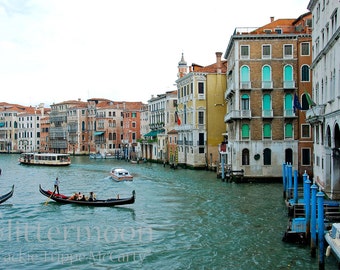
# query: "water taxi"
{"points": [[48, 159], [119, 174]]}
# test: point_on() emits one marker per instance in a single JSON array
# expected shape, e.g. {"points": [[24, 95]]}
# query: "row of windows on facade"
{"points": [[267, 75], [267, 131], [267, 156], [267, 102]]}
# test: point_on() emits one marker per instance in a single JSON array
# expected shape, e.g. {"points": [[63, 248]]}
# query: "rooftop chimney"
{"points": [[271, 19], [218, 62]]}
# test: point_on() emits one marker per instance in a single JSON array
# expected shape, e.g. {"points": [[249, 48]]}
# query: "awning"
{"points": [[154, 133], [2, 124], [98, 133]]}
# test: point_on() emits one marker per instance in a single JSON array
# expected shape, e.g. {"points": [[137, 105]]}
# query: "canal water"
{"points": [[182, 219]]}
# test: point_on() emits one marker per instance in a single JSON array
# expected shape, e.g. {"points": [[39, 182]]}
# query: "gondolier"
{"points": [[56, 185]]}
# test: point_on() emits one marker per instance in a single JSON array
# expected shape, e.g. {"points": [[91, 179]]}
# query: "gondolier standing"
{"points": [[56, 185]]}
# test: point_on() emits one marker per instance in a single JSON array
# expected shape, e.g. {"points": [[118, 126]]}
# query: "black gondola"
{"points": [[60, 198], [5, 197]]}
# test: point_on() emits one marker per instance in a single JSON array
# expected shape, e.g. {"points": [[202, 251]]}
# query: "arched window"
{"points": [[267, 156], [266, 105], [288, 131], [288, 76], [329, 138], [245, 156], [245, 102], [245, 74], [83, 126], [304, 104], [266, 77], [305, 73], [245, 131], [267, 131], [289, 111], [336, 136]]}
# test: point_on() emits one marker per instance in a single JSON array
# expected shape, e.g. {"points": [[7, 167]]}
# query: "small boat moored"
{"points": [[47, 159], [333, 239], [61, 198], [5, 197], [120, 174]]}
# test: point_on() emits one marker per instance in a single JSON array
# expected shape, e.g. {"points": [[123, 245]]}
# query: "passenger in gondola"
{"points": [[73, 197], [81, 197], [92, 197]]}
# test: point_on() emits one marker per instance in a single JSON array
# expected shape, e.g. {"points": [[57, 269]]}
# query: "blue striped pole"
{"points": [[296, 186], [320, 199], [307, 206], [314, 189], [284, 179]]}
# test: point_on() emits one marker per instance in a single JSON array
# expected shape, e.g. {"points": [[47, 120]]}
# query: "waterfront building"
{"points": [[200, 112], [8, 126], [324, 113], [268, 79], [76, 127]]}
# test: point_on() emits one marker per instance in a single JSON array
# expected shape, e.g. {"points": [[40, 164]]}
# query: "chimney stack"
{"points": [[218, 62], [271, 19]]}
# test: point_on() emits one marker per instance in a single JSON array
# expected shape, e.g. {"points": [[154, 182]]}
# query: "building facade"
{"points": [[200, 112], [266, 68], [324, 113]]}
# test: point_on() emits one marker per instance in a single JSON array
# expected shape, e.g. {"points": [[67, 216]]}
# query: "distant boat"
{"points": [[60, 198], [47, 159], [120, 174], [5, 197], [96, 156], [333, 239]]}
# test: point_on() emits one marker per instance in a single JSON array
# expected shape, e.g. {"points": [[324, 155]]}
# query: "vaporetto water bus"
{"points": [[47, 159]]}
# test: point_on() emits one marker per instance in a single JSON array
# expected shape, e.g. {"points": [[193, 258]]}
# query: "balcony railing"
{"points": [[289, 84], [289, 113], [245, 85], [267, 113], [267, 84], [315, 114], [237, 114]]}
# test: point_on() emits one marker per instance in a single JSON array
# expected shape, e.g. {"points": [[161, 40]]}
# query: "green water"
{"points": [[182, 219]]}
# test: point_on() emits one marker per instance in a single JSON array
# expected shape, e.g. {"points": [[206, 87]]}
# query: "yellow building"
{"points": [[201, 112]]}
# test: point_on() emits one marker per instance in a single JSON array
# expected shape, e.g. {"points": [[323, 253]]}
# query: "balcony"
{"points": [[230, 91], [315, 114], [267, 113], [236, 115], [289, 113], [267, 85], [245, 85], [289, 85]]}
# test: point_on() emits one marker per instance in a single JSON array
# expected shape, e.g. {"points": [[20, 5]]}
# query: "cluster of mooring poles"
{"points": [[307, 221]]}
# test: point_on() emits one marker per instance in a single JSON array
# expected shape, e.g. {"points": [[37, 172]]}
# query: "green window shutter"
{"points": [[289, 131], [245, 131], [267, 132]]}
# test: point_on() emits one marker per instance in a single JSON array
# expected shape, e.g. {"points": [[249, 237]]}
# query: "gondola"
{"points": [[5, 197], [60, 198]]}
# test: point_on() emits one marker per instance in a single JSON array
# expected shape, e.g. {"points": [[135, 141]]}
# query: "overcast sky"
{"points": [[57, 50]]}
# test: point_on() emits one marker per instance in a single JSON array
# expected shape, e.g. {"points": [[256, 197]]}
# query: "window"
{"points": [[201, 118], [245, 131], [289, 111], [267, 77], [305, 49], [245, 102], [289, 156], [267, 131], [245, 157], [288, 131], [288, 51], [305, 156], [305, 73], [266, 52], [201, 88], [244, 52], [288, 81], [266, 106], [245, 77], [305, 131], [267, 156]]}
